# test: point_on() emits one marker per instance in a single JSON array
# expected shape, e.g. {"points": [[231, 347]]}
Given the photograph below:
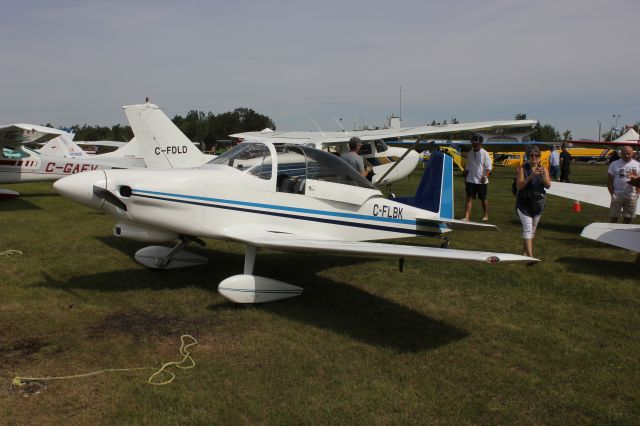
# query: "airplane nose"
{"points": [[79, 187]]}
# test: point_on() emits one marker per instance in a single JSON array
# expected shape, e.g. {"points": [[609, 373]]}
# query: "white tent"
{"points": [[629, 135]]}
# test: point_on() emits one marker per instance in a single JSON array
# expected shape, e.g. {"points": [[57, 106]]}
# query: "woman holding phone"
{"points": [[532, 179]]}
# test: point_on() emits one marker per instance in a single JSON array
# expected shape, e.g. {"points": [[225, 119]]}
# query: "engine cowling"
{"points": [[143, 233]]}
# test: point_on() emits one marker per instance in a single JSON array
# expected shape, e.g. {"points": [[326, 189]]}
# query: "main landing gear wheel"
{"points": [[159, 257]]}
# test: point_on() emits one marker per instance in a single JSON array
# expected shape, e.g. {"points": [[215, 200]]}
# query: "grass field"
{"points": [[442, 342]]}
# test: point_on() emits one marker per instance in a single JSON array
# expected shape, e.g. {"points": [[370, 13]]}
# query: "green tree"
{"points": [[545, 133]]}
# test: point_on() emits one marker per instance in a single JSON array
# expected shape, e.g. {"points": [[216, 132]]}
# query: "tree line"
{"points": [[198, 126]]}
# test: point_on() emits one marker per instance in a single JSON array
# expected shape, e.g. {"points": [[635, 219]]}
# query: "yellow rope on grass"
{"points": [[186, 356]]}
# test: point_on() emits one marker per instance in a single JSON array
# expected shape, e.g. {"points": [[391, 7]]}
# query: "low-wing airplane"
{"points": [[390, 164], [285, 197], [626, 236]]}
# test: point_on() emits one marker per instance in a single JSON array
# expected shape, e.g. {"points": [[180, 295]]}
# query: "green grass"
{"points": [[443, 342]]}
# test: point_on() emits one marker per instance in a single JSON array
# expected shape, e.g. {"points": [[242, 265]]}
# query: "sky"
{"points": [[569, 63]]}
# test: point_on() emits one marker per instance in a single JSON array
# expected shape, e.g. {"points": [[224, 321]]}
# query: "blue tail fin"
{"points": [[435, 191]]}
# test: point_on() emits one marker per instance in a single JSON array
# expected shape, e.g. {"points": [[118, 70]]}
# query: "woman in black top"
{"points": [[532, 178]]}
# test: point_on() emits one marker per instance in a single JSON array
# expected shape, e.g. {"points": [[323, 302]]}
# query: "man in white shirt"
{"points": [[624, 197], [554, 163], [477, 172]]}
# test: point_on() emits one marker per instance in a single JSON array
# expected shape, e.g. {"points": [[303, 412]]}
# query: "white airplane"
{"points": [[390, 164], [289, 197], [61, 157], [626, 236]]}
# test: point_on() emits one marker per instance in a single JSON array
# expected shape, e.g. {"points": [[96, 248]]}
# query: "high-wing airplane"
{"points": [[164, 147], [61, 157], [630, 137], [285, 197], [390, 164], [626, 236]]}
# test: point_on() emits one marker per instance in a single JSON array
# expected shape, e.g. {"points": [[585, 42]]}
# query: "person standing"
{"points": [[477, 171], [353, 158], [565, 164], [532, 179], [624, 197], [554, 163]]}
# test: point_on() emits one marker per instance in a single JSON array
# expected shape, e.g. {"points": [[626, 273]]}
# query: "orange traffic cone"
{"points": [[577, 208]]}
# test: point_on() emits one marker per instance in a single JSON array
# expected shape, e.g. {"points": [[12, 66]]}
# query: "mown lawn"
{"points": [[442, 342]]}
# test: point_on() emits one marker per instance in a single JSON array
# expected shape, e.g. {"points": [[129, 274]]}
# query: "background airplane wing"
{"points": [[368, 135], [299, 243], [21, 133], [591, 194]]}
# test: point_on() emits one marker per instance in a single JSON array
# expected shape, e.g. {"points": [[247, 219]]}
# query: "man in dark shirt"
{"points": [[565, 164]]}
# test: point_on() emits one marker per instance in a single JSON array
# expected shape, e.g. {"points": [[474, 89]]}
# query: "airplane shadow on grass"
{"points": [[605, 267], [17, 204], [337, 306]]}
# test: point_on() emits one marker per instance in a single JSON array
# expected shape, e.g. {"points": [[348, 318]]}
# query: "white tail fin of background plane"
{"points": [[161, 143], [63, 146]]}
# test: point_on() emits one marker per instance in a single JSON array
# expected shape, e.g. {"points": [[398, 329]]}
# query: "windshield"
{"points": [[249, 157], [12, 153], [381, 146]]}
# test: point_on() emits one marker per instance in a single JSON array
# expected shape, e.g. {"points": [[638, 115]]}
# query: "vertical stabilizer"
{"points": [[161, 143], [435, 191], [63, 146]]}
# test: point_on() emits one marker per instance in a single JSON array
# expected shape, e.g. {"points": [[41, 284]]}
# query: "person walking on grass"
{"points": [[532, 181], [476, 172]]}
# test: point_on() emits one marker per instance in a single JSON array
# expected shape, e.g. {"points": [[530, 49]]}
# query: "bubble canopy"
{"points": [[296, 161]]}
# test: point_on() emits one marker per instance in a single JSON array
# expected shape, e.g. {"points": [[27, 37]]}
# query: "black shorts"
{"points": [[479, 189]]}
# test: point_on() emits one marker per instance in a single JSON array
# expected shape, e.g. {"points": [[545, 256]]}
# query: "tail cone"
{"points": [[577, 208]]}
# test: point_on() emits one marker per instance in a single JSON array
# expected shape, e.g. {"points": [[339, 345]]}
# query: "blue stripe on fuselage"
{"points": [[285, 208], [413, 231]]}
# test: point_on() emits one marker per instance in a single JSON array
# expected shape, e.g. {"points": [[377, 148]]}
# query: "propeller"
{"points": [[109, 197]]}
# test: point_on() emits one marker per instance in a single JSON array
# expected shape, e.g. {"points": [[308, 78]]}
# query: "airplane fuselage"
{"points": [[221, 199], [42, 168]]}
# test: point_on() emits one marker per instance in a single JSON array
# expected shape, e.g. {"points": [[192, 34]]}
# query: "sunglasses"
{"points": [[534, 155]]}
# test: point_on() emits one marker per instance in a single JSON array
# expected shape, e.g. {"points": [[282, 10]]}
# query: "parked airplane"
{"points": [[626, 236], [289, 197], [61, 157], [390, 164]]}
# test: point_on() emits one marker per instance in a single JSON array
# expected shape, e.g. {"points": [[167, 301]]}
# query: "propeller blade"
{"points": [[109, 197]]}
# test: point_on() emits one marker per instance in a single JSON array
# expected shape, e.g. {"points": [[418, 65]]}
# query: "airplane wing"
{"points": [[591, 194], [626, 236], [633, 143], [22, 133], [295, 242], [329, 138]]}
